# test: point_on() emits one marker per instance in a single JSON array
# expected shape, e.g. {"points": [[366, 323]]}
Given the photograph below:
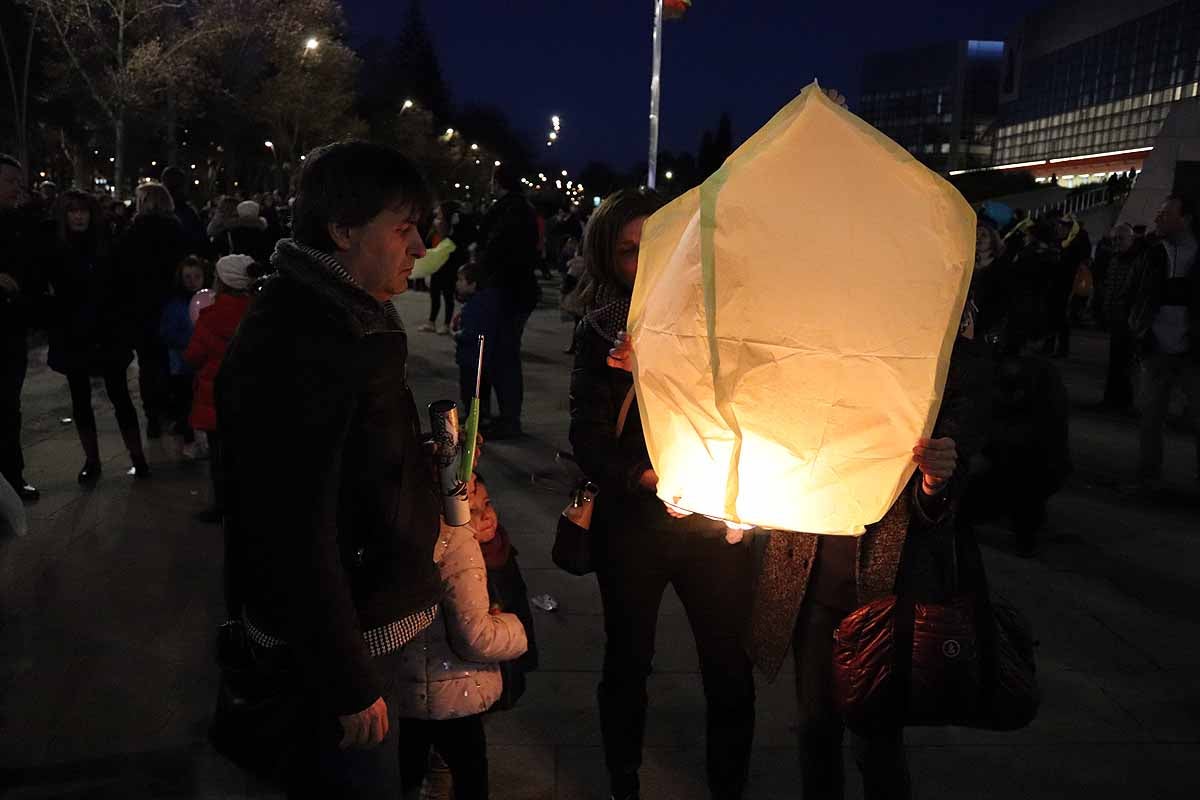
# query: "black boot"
{"points": [[91, 453], [90, 474], [133, 442]]}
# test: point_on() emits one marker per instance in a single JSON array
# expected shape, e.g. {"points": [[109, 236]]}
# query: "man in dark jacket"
{"points": [[509, 242], [332, 515], [1165, 322], [177, 184], [17, 233]]}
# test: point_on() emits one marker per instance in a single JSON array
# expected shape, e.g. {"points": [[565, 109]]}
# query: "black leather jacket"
{"points": [[330, 496]]}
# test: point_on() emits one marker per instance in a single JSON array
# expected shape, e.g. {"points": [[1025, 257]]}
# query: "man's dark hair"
{"points": [[175, 180], [8, 161], [507, 177], [349, 183]]}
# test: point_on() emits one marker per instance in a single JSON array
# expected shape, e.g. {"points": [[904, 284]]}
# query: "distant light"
{"points": [[554, 121], [670, 175], [1102, 155], [408, 104], [477, 161], [302, 158], [111, 159], [497, 163], [42, 174], [558, 184], [596, 200], [312, 43], [564, 173], [468, 188], [458, 186], [193, 166], [154, 163], [474, 147], [568, 184], [553, 136], [449, 132], [549, 143], [197, 182], [269, 143]]}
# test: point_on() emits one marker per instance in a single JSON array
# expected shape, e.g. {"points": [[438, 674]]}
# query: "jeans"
{"points": [[14, 359], [461, 742], [322, 770], [633, 575], [880, 757], [1160, 373]]}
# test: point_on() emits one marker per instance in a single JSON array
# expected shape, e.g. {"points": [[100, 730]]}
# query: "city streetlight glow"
{"points": [[449, 132], [474, 147], [558, 184], [407, 105], [497, 163], [554, 121], [268, 143], [193, 165], [564, 173], [312, 43], [553, 136], [670, 175], [154, 163]]}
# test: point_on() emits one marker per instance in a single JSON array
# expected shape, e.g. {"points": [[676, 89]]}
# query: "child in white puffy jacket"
{"points": [[449, 675]]}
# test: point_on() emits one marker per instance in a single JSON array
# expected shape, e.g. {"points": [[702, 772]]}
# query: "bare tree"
{"points": [[18, 82], [126, 53]]}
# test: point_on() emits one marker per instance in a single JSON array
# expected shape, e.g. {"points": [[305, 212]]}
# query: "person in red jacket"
{"points": [[204, 353]]}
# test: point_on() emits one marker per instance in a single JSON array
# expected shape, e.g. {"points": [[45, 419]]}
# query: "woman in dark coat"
{"points": [[808, 583], [88, 327], [149, 257], [642, 545]]}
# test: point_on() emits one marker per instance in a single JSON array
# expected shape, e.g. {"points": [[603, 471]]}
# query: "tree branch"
{"points": [[174, 6], [87, 80]]}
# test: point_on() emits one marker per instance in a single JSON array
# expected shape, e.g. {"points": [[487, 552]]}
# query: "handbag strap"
{"points": [[624, 415]]}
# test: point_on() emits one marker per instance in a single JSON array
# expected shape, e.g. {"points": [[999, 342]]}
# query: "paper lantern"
{"points": [[792, 322], [200, 301]]}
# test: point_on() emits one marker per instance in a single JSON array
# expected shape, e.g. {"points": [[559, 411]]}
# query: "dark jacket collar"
{"points": [[322, 274]]}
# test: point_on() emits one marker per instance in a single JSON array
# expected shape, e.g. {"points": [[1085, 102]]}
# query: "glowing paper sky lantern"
{"points": [[792, 323]]}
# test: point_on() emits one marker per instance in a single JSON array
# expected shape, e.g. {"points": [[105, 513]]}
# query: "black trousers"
{"points": [[441, 291], [461, 742], [1118, 381], [880, 757], [14, 359], [116, 384], [153, 376], [215, 469], [179, 404], [713, 581]]}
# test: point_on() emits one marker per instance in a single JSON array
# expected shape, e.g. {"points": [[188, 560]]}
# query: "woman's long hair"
{"points": [[600, 239], [94, 240]]}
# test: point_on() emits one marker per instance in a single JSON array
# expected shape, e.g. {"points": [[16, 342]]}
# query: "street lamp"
{"points": [[497, 163], [474, 147], [449, 133], [312, 44], [669, 175], [269, 145], [407, 105]]}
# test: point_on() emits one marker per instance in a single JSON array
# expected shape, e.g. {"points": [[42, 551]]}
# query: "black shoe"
{"points": [[153, 429], [209, 516], [27, 492], [140, 471], [90, 474]]}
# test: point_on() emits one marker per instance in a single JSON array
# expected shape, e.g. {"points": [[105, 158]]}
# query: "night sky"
{"points": [[589, 60]]}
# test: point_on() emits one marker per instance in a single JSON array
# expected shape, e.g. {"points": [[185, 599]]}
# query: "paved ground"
{"points": [[109, 605]]}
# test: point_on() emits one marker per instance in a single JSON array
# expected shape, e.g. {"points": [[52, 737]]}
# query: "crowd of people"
{"points": [[257, 322]]}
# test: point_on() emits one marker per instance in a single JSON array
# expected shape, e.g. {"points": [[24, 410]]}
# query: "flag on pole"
{"points": [[675, 9]]}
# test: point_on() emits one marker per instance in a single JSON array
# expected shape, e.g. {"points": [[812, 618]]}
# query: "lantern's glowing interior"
{"points": [[792, 322]]}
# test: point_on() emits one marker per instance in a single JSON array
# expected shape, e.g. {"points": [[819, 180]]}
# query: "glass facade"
{"points": [[1106, 93], [938, 102]]}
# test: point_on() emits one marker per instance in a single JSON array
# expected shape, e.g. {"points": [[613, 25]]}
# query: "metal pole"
{"points": [[656, 72]]}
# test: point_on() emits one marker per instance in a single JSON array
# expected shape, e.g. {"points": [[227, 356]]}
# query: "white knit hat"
{"points": [[248, 209], [232, 270]]}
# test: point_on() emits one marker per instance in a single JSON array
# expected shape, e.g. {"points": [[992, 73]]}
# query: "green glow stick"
{"points": [[467, 465]]}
